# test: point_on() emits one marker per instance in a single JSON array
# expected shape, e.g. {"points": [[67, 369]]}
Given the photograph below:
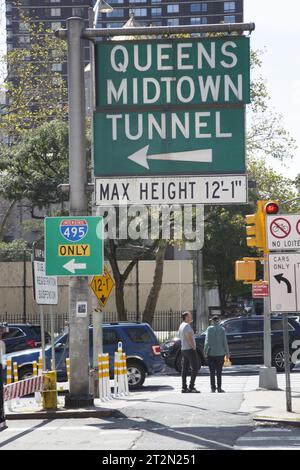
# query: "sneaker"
{"points": [[193, 390], [220, 390], [213, 390], [184, 390]]}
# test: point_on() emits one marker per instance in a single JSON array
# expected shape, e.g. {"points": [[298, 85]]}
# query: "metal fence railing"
{"points": [[165, 323]]}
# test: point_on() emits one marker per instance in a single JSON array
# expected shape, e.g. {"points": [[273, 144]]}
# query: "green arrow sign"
{"points": [[74, 246], [179, 142], [173, 106]]}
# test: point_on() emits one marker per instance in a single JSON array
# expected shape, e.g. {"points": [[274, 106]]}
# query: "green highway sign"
{"points": [[173, 106], [191, 71], [74, 246], [181, 142]]}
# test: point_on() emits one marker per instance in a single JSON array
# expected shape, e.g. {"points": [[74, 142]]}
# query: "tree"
{"points": [[34, 91], [32, 169]]}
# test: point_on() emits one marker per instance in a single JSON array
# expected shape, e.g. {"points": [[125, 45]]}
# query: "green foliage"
{"points": [[33, 168], [35, 92], [14, 251]]}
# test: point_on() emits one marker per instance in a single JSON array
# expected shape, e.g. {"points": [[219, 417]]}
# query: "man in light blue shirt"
{"points": [[188, 353], [216, 348]]}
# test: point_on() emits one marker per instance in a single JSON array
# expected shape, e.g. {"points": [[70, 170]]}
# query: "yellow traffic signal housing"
{"points": [[245, 270], [256, 224]]}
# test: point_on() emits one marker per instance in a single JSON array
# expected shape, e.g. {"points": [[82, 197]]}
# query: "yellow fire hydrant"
{"points": [[49, 390]]}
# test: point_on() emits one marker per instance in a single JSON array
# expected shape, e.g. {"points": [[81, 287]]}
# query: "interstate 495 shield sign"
{"points": [[74, 246]]}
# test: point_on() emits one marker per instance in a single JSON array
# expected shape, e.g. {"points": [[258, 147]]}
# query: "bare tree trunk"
{"points": [[152, 299], [120, 304], [5, 219]]}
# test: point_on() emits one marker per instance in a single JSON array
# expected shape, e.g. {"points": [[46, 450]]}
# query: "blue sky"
{"points": [[278, 33]]}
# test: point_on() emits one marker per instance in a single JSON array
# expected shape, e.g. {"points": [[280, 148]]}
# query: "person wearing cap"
{"points": [[188, 353], [216, 348]]}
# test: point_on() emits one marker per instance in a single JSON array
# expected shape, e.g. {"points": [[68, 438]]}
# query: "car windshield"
{"points": [[63, 338]]}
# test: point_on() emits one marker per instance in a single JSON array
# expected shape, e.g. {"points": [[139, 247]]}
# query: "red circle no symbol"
{"points": [[280, 228]]}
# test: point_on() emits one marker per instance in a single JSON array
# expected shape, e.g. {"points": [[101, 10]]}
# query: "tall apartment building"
{"points": [[171, 13]]}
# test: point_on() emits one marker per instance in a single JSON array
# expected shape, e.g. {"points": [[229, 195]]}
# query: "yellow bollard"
{"points": [[49, 390], [34, 369], [40, 365], [9, 371], [68, 367], [15, 367]]}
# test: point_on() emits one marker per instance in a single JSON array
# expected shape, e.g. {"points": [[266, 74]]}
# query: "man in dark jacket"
{"points": [[216, 348]]}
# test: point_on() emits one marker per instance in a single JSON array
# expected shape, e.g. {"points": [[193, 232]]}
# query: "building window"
{"points": [[54, 1], [198, 7], [24, 39], [113, 25], [173, 8], [117, 13], [229, 7], [56, 67], [78, 11], [55, 11], [229, 19], [140, 12], [173, 22], [23, 26], [156, 1], [199, 20], [156, 11], [55, 25], [116, 1]]}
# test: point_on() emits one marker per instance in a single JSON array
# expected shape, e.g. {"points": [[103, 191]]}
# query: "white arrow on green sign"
{"points": [[74, 246]]}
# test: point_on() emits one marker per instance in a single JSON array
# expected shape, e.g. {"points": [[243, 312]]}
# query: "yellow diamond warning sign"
{"points": [[102, 287]]}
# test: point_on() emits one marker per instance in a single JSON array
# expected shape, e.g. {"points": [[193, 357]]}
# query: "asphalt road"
{"points": [[159, 417]]}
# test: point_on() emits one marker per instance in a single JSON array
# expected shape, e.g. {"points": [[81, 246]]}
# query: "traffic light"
{"points": [[256, 224], [245, 270]]}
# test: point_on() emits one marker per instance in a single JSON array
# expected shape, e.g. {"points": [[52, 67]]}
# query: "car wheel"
{"points": [[278, 360], [25, 373], [136, 375]]}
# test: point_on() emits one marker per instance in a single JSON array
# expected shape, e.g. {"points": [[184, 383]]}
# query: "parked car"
{"points": [[139, 343], [245, 340], [22, 336]]}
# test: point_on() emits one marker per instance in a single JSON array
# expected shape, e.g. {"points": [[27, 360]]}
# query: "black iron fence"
{"points": [[165, 323]]}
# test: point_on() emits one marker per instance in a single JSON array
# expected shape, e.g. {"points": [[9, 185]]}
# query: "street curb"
{"points": [[272, 420], [62, 414]]}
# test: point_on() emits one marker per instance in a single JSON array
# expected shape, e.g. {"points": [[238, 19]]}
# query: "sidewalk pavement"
{"points": [[269, 406]]}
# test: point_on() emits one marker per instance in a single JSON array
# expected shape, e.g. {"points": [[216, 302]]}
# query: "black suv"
{"points": [[245, 339], [23, 336]]}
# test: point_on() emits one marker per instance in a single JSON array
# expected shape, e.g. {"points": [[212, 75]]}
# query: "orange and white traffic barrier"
{"points": [[103, 376], [40, 365], [9, 371], [34, 369], [15, 369], [68, 368], [120, 373]]}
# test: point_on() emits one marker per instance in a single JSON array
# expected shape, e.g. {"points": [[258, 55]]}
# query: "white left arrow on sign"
{"points": [[141, 157], [72, 266]]}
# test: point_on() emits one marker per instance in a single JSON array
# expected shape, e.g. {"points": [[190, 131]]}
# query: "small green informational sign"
{"points": [[74, 246]]}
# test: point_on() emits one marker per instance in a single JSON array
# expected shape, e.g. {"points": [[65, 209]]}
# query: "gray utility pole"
{"points": [[78, 286], [198, 292], [267, 373], [286, 342]]}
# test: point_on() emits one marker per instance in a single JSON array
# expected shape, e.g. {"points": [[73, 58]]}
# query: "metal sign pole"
{"points": [[52, 337], [2, 411], [78, 286], [287, 362], [43, 336]]}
